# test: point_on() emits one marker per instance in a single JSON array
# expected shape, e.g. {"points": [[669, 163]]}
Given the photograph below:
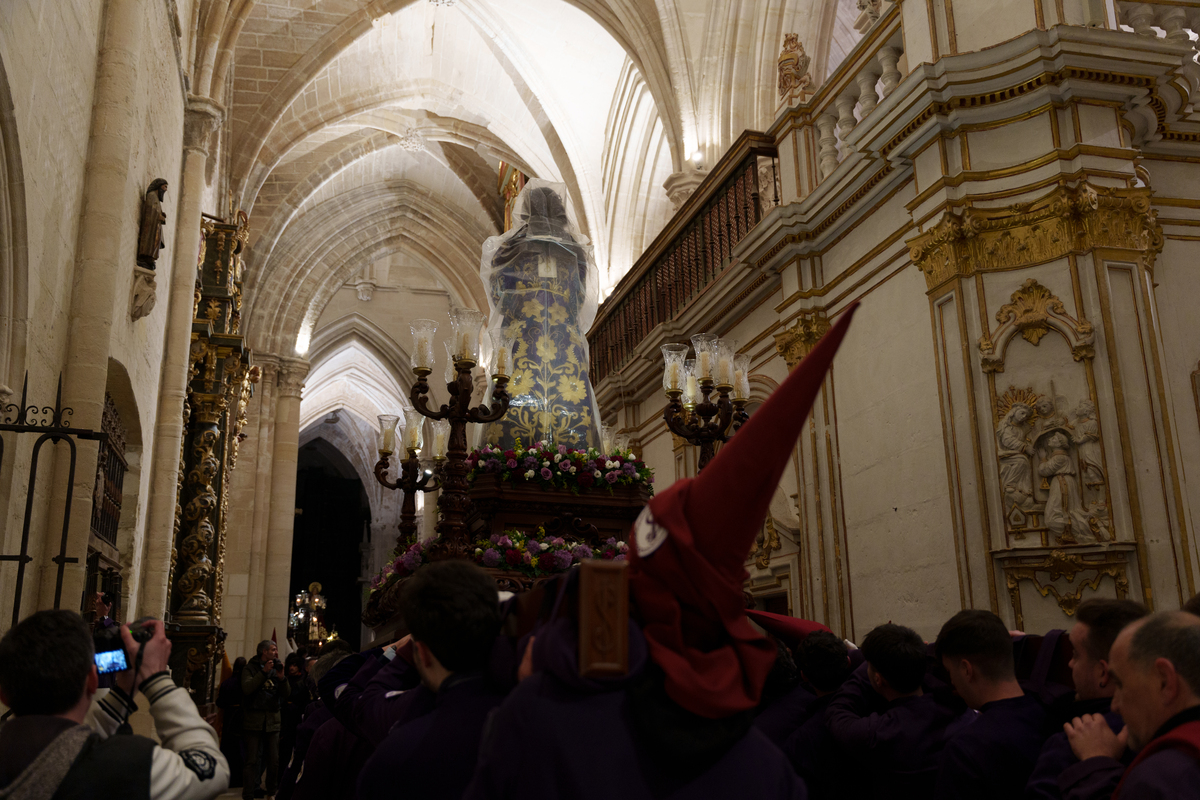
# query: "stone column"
{"points": [[276, 593], [262, 497], [200, 120], [100, 262]]}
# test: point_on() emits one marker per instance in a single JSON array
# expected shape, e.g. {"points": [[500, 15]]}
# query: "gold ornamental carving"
{"points": [[1068, 220], [766, 542], [794, 80], [1032, 312], [798, 341], [1060, 565]]}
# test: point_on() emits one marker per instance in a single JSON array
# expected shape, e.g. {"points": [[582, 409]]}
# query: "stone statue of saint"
{"points": [[1014, 452], [1065, 515], [1048, 416], [1087, 439], [150, 227], [542, 290]]}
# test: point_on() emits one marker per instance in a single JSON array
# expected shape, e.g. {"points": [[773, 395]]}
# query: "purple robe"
{"points": [[992, 758], [380, 695], [435, 753], [780, 719], [558, 735], [1057, 758], [316, 715], [817, 758], [333, 760], [1169, 773], [898, 744]]}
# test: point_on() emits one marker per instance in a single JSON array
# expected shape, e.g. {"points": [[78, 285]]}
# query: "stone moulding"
{"points": [[1032, 312], [1067, 220], [794, 343]]}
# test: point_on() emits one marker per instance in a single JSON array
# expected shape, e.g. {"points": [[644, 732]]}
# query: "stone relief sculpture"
{"points": [[1051, 469]]}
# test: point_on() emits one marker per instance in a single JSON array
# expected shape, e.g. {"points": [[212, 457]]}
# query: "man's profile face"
{"points": [[1137, 692], [1083, 667], [271, 653]]}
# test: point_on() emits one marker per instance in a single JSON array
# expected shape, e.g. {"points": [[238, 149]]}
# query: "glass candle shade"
{"points": [[422, 331], [606, 439], [451, 372], [705, 345], [621, 442], [387, 434], [465, 323], [441, 437], [741, 376], [414, 421], [691, 385], [726, 350], [502, 353], [674, 358]]}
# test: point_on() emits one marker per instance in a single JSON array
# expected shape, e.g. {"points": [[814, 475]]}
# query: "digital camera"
{"points": [[110, 649]]}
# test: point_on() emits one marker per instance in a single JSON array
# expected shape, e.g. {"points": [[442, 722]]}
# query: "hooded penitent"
{"points": [[687, 568], [789, 630]]}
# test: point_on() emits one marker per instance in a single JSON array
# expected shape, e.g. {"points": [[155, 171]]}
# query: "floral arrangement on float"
{"points": [[534, 555], [557, 467]]}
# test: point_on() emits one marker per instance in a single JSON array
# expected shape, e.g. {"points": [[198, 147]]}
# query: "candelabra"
{"points": [[692, 413], [412, 478], [305, 622], [451, 418]]}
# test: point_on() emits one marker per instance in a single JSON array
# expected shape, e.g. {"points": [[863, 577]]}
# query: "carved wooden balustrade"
{"points": [[688, 254]]}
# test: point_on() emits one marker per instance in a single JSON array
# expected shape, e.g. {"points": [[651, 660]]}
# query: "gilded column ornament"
{"points": [[794, 80], [1032, 311], [1042, 572], [1067, 220], [766, 542], [798, 341]]}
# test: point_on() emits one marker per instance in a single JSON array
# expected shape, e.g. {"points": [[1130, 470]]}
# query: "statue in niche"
{"points": [[150, 227], [1048, 414], [543, 290], [1087, 439], [1015, 452], [794, 79], [1065, 514]]}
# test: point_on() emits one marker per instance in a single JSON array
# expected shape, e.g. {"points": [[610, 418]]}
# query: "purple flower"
{"points": [[610, 541], [532, 545], [629, 469], [512, 464], [491, 557], [581, 551], [564, 465], [611, 477], [492, 466], [530, 462], [504, 541], [411, 560], [650, 479], [494, 538], [619, 558], [562, 449], [546, 473], [562, 559]]}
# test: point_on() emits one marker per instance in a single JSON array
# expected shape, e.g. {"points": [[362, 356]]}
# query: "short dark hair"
{"points": [[1192, 606], [453, 608], [898, 654], [263, 645], [983, 639], [823, 660], [337, 646], [1175, 636], [1105, 619], [45, 661]]}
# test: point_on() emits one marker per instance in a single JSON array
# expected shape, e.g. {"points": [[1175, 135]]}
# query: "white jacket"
{"points": [[188, 764]]}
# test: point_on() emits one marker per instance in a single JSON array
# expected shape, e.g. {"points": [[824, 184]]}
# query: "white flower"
{"points": [[544, 546], [557, 457], [545, 463], [609, 465], [478, 551], [573, 469], [597, 474], [529, 474]]}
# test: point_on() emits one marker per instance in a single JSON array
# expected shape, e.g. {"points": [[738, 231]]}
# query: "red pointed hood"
{"points": [[690, 546], [790, 630]]}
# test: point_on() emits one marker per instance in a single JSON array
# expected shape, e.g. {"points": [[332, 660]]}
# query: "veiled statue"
{"points": [[542, 290]]}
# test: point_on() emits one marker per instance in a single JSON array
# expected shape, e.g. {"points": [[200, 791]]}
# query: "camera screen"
{"points": [[111, 661]]}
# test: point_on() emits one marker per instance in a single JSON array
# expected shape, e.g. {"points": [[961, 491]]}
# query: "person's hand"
{"points": [[1090, 736], [404, 649], [268, 665], [155, 655], [526, 667]]}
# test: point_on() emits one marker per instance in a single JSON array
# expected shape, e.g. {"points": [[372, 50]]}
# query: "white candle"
{"points": [[439, 445], [423, 349], [705, 364], [502, 361], [674, 379], [389, 440], [467, 350], [723, 369], [738, 375], [413, 437], [693, 389]]}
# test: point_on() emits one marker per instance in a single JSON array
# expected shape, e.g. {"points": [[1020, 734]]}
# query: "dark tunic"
{"points": [[898, 744], [1166, 774], [816, 757], [994, 755], [1057, 757], [780, 719], [436, 752], [316, 715], [378, 696], [229, 700], [582, 740], [333, 760]]}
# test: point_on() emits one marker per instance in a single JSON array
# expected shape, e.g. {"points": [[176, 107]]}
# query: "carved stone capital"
{"points": [[794, 343], [144, 294], [681, 185], [1067, 220], [201, 118], [292, 372]]}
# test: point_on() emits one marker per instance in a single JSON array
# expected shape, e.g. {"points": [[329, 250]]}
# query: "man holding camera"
{"points": [[265, 688], [63, 740]]}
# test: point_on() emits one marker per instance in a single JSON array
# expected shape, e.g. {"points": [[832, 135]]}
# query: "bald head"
{"points": [[1156, 667]]}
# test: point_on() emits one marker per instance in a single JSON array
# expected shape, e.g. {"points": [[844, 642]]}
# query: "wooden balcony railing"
{"points": [[688, 254]]}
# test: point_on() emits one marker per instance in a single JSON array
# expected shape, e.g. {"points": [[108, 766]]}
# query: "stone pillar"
{"points": [[276, 592], [201, 119], [100, 263], [262, 498]]}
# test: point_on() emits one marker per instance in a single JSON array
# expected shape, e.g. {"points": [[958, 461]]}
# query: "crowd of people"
{"points": [[486, 696]]}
